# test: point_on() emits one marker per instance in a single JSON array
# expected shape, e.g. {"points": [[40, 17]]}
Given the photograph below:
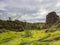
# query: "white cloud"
{"points": [[58, 5]]}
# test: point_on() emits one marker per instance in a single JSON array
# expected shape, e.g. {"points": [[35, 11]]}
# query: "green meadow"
{"points": [[37, 37]]}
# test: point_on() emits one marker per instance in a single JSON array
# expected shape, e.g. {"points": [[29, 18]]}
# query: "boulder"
{"points": [[51, 19]]}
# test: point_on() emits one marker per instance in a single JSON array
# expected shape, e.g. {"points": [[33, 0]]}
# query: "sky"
{"points": [[28, 10]]}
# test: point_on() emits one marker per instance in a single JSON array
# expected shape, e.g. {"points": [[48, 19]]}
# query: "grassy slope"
{"points": [[39, 37]]}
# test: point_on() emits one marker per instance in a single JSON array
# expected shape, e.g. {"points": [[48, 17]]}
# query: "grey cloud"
{"points": [[30, 8], [22, 10]]}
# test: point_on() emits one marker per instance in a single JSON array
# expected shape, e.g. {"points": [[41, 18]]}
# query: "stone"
{"points": [[51, 19]]}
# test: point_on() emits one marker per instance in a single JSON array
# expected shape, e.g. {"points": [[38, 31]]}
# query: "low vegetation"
{"points": [[38, 37], [17, 25]]}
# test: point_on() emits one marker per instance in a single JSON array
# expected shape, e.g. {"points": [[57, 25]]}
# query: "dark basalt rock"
{"points": [[51, 19]]}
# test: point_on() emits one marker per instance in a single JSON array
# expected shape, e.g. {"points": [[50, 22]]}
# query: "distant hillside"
{"points": [[18, 25]]}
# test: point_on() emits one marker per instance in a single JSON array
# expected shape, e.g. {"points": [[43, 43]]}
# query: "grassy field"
{"points": [[38, 37]]}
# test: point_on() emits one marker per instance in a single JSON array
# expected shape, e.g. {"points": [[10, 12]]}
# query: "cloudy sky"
{"points": [[28, 10]]}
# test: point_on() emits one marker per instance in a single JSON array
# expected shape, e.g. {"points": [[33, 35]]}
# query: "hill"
{"points": [[17, 25]]}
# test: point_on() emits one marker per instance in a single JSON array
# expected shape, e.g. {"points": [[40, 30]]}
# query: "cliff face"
{"points": [[51, 19]]}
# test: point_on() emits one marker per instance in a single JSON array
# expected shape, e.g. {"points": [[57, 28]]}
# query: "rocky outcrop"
{"points": [[51, 19]]}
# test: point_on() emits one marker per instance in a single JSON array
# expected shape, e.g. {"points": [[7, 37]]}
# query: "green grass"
{"points": [[10, 35], [18, 38]]}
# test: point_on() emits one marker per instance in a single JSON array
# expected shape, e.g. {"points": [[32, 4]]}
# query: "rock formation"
{"points": [[51, 19]]}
